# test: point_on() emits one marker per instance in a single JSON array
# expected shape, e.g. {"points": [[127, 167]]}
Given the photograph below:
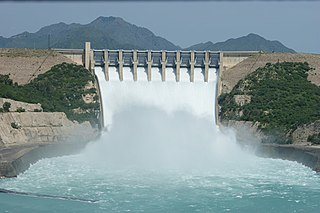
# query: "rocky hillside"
{"points": [[21, 128], [279, 99], [250, 42], [54, 103], [233, 75], [103, 32], [67, 88]]}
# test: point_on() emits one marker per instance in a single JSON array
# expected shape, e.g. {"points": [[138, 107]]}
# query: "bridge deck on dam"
{"points": [[195, 64], [157, 57], [138, 62]]}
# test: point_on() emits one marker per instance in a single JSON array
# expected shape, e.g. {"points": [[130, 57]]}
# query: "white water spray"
{"points": [[197, 98], [157, 124]]}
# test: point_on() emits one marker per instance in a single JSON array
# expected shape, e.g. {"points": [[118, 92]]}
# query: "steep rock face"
{"points": [[41, 128], [300, 135]]}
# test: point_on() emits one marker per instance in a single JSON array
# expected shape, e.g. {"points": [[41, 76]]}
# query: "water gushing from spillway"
{"points": [[197, 98]]}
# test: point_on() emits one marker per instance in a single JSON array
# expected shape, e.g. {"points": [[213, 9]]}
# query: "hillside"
{"points": [[231, 77], [250, 42], [64, 88], [110, 32], [23, 65], [278, 98]]}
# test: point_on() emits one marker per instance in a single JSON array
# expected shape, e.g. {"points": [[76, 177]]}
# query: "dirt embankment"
{"points": [[25, 64]]}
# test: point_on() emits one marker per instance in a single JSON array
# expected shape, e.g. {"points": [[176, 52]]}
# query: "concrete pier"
{"points": [[163, 65], [206, 63], [87, 50], [178, 64], [149, 63], [192, 63], [106, 64], [91, 61], [120, 64], [135, 64]]}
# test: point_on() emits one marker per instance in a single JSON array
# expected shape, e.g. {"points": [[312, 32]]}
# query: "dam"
{"points": [[178, 66]]}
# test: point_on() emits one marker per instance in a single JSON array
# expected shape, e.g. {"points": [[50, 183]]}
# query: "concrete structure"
{"points": [[163, 65], [120, 64], [205, 60], [135, 64], [192, 63], [178, 64], [149, 64], [106, 64], [119, 59], [87, 52], [158, 59]]}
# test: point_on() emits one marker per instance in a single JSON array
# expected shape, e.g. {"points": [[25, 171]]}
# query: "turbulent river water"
{"points": [[161, 152]]}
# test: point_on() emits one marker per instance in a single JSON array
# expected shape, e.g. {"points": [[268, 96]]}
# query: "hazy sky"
{"points": [[295, 24]]}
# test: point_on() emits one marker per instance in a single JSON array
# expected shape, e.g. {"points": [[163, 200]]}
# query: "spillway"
{"points": [[162, 153], [197, 98]]}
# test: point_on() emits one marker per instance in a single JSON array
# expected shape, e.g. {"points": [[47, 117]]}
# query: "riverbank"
{"points": [[18, 158], [250, 137], [304, 154], [27, 137]]}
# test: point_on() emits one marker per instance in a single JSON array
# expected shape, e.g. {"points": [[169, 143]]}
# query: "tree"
{"points": [[6, 106]]}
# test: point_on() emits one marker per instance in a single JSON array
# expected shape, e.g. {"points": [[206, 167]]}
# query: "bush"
{"points": [[37, 110], [5, 79], [20, 109], [6, 106], [1, 109], [314, 139], [15, 125]]}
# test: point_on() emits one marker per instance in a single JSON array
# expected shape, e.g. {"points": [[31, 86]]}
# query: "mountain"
{"points": [[103, 32], [251, 42], [116, 33]]}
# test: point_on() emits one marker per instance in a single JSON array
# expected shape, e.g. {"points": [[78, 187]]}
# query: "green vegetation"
{"points": [[20, 109], [15, 125], [281, 99], [314, 139], [61, 89], [6, 106]]}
